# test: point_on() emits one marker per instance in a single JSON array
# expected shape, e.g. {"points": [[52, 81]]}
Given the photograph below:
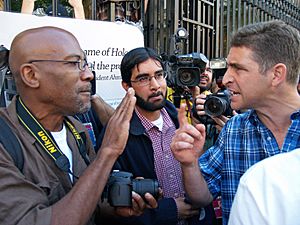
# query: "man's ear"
{"points": [[29, 75], [125, 85], [279, 74]]}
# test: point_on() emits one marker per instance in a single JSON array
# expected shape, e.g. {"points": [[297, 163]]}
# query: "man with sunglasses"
{"points": [[62, 178], [147, 153]]}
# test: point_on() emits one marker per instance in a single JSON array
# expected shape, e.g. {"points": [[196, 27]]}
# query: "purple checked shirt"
{"points": [[167, 168]]}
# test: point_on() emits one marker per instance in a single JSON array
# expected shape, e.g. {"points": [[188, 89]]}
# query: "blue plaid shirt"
{"points": [[243, 141]]}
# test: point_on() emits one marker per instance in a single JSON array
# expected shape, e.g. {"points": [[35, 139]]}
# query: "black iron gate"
{"points": [[209, 23]]}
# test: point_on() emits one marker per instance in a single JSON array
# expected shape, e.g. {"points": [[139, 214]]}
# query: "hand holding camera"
{"points": [[139, 204], [214, 108], [121, 185]]}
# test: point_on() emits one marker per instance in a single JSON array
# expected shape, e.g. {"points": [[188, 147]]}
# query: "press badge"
{"points": [[90, 129]]}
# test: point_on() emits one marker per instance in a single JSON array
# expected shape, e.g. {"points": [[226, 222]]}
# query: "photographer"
{"points": [[206, 79], [100, 112], [62, 179], [94, 119], [217, 112], [200, 92]]}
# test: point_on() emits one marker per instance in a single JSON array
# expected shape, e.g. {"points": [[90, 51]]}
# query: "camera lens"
{"points": [[120, 186], [188, 76], [215, 106], [143, 186]]}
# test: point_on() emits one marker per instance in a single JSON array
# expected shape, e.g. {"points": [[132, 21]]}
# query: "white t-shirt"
{"points": [[159, 122], [61, 139], [269, 192]]}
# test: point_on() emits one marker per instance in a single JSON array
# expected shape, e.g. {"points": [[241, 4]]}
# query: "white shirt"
{"points": [[159, 122], [269, 192], [61, 140]]}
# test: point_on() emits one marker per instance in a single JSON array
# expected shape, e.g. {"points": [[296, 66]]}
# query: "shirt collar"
{"points": [[254, 120], [136, 127]]}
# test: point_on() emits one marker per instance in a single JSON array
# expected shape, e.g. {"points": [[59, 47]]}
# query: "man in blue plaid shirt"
{"points": [[262, 76]]}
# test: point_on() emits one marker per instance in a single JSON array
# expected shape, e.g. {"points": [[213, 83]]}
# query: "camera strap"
{"points": [[46, 140]]}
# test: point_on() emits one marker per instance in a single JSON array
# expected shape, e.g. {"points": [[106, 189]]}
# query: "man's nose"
{"points": [[87, 74], [227, 77], [154, 83]]}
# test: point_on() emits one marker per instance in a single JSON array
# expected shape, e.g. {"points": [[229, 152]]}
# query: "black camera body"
{"points": [[185, 70], [121, 184], [218, 104]]}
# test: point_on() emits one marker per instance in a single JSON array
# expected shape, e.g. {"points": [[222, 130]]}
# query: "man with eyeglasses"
{"points": [[147, 153], [62, 178], [100, 112]]}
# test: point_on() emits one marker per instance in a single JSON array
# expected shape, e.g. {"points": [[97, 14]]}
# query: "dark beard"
{"points": [[205, 88], [148, 106]]}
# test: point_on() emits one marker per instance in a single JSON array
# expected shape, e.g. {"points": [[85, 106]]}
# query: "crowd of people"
{"points": [[69, 144]]}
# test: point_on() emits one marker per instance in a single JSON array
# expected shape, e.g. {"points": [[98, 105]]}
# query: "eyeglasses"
{"points": [[81, 63], [145, 80]]}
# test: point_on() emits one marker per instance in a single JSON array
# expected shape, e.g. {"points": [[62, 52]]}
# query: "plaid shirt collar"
{"points": [[148, 125]]}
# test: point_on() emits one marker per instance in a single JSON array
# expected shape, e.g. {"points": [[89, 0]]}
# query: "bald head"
{"points": [[45, 63], [38, 43]]}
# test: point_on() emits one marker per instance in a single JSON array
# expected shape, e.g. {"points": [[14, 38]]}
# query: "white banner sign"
{"points": [[105, 43]]}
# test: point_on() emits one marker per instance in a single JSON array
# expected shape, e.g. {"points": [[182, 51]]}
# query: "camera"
{"points": [[121, 184], [218, 103], [185, 70], [183, 73]]}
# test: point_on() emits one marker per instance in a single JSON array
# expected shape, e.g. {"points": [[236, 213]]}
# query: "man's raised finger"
{"points": [[181, 115]]}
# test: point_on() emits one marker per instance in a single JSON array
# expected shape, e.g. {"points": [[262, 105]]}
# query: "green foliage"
{"points": [[16, 5]]}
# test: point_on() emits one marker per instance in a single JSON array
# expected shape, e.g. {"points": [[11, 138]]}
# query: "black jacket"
{"points": [[138, 159]]}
